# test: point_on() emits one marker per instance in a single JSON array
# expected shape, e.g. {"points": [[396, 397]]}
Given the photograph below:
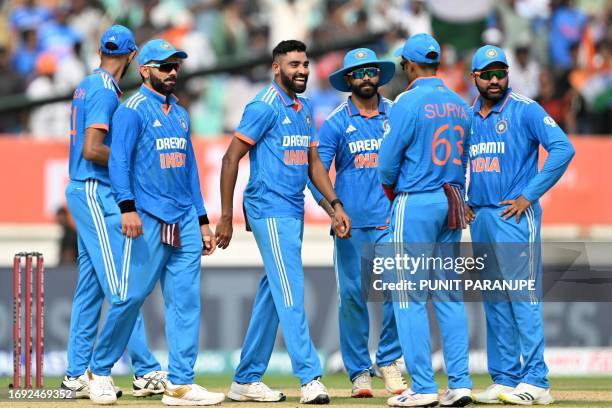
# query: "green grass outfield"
{"points": [[568, 391]]}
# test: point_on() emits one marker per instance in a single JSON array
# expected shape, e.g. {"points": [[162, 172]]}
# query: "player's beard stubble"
{"points": [[165, 86], [293, 83], [496, 96], [365, 90]]}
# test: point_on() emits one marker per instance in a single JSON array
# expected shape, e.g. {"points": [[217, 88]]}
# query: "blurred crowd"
{"points": [[559, 49]]}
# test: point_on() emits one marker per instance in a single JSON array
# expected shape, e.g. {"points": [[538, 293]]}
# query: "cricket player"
{"points": [[422, 168], [505, 186], [155, 181], [277, 129], [98, 219], [351, 136]]}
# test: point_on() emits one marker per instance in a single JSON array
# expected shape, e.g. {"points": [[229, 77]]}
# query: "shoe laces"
{"points": [[105, 383], [362, 380], [315, 384], [260, 386]]}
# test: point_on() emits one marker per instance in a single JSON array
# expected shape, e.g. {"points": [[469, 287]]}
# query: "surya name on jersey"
{"points": [[296, 156], [487, 163], [172, 159], [364, 157]]}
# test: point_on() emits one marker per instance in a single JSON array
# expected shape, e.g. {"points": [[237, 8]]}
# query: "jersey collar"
{"points": [[286, 99], [354, 111], [497, 108], [115, 84], [150, 92], [425, 81]]}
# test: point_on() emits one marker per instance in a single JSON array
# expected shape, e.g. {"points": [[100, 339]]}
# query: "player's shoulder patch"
{"points": [[268, 95], [520, 98], [134, 101], [338, 109]]}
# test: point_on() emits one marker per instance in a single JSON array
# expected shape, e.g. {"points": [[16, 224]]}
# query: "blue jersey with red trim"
{"points": [[93, 104], [280, 130], [503, 148], [424, 146], [152, 159], [352, 140]]}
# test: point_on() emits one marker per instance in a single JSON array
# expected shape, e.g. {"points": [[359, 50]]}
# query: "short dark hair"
{"points": [[287, 46]]}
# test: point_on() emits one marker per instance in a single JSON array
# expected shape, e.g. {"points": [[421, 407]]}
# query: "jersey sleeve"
{"points": [[194, 177], [328, 145], [258, 117], [543, 129], [99, 108], [402, 122], [126, 127]]}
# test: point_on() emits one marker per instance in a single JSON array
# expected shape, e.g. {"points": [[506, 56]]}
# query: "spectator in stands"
{"points": [[230, 33], [68, 248], [11, 84], [416, 19], [50, 120], [57, 36], [567, 25], [291, 20], [558, 105], [29, 15], [88, 19], [524, 73], [27, 52]]}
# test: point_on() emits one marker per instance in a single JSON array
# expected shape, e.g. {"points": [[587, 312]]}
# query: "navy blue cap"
{"points": [[417, 47], [487, 55], [361, 57], [158, 50], [116, 40]]}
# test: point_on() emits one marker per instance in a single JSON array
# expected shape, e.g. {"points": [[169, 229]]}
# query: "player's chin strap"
{"points": [[456, 207]]}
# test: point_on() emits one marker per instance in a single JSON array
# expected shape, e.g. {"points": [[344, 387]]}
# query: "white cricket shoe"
{"points": [[101, 389], [151, 383], [362, 386], [527, 394], [78, 385], [491, 394], [254, 391], [410, 398], [190, 394], [457, 397], [314, 393], [393, 378]]}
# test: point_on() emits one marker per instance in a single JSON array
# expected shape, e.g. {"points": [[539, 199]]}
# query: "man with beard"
{"points": [[154, 177], [505, 186], [422, 169], [278, 131], [98, 219], [351, 136]]}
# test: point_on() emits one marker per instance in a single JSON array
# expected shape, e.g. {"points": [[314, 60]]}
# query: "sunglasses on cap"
{"points": [[489, 74], [166, 67], [362, 72]]}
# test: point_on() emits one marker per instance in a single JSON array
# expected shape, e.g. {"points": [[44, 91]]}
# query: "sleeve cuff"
{"points": [[244, 138], [127, 206], [203, 219]]}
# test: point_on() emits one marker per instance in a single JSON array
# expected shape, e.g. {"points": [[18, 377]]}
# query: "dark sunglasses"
{"points": [[166, 67], [362, 72], [488, 75]]}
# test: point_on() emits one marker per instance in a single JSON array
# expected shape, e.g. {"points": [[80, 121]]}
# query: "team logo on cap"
{"points": [[501, 126], [491, 53], [183, 124], [360, 54], [165, 45]]}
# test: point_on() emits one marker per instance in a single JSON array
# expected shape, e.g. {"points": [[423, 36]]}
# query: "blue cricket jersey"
{"points": [[352, 141], [503, 149], [281, 131], [93, 104], [424, 146], [152, 159]]}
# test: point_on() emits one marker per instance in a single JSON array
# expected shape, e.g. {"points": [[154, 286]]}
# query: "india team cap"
{"points": [[361, 57], [487, 55], [116, 40], [418, 47], [158, 50]]}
